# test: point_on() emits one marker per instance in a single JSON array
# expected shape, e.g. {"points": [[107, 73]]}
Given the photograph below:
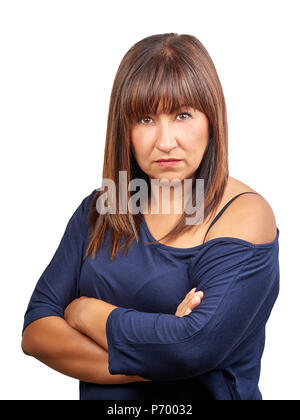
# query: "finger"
{"points": [[195, 295], [189, 296], [188, 306], [199, 293], [184, 304], [191, 292], [197, 298]]}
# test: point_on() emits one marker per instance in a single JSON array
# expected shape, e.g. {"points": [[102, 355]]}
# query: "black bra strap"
{"points": [[224, 208]]}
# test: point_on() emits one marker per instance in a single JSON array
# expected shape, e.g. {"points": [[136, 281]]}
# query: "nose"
{"points": [[165, 141]]}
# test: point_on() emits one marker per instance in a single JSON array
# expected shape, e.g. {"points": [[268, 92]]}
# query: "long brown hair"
{"points": [[160, 70]]}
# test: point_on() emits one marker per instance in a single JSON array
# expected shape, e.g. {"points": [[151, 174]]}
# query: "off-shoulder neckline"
{"points": [[211, 241]]}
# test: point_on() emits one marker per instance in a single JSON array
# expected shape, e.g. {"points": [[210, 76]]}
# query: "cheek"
{"points": [[195, 140], [140, 144]]}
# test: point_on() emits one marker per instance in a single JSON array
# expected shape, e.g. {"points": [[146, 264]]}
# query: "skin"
{"points": [[182, 135]]}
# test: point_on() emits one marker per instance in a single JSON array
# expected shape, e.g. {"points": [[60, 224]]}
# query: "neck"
{"points": [[168, 198]]}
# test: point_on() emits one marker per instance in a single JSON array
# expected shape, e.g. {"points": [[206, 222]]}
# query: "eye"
{"points": [[144, 120], [147, 120], [184, 113]]}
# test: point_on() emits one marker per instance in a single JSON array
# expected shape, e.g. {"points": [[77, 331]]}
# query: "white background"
{"points": [[58, 62]]}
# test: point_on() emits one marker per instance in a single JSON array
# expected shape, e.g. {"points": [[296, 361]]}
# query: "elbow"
{"points": [[27, 343], [197, 365], [41, 337], [178, 361], [35, 341], [193, 358], [26, 350], [26, 347]]}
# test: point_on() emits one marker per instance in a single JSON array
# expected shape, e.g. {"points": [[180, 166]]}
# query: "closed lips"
{"points": [[167, 160]]}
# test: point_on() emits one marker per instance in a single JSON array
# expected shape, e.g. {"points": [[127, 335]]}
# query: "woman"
{"points": [[181, 316]]}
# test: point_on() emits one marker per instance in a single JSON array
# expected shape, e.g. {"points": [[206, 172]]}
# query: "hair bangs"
{"points": [[160, 88]]}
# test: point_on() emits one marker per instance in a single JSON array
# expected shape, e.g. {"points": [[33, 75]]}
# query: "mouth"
{"points": [[168, 162]]}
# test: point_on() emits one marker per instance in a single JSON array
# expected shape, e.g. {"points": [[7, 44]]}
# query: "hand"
{"points": [[190, 301]]}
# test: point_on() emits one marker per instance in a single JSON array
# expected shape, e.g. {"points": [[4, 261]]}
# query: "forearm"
{"points": [[55, 343], [89, 316]]}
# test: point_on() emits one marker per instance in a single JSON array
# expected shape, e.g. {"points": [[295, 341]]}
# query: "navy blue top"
{"points": [[214, 353]]}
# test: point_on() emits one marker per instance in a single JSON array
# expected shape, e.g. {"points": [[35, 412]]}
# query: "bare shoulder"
{"points": [[248, 217]]}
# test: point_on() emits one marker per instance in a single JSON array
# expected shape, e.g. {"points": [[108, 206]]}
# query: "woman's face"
{"points": [[183, 136]]}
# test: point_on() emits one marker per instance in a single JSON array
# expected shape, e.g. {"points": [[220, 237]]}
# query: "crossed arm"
{"points": [[77, 345], [240, 284], [238, 279]]}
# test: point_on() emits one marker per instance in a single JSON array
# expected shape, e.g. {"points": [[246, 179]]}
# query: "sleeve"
{"points": [[58, 284], [240, 285]]}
